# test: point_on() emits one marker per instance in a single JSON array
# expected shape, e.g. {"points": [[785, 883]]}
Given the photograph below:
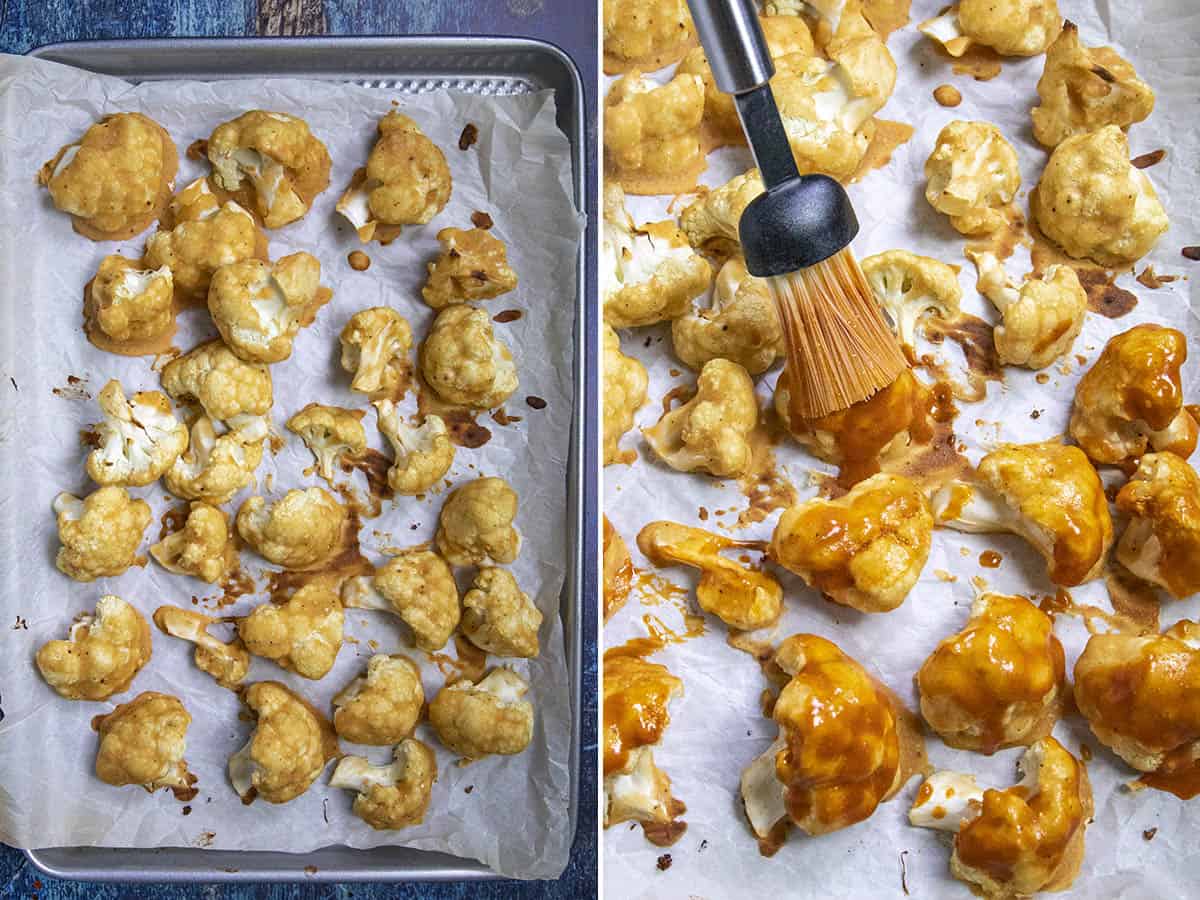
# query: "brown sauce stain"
{"points": [[460, 422], [980, 62], [766, 488], [1104, 297], [89, 437], [947, 95], [1192, 252], [535, 402], [1004, 241], [768, 846], [235, 584], [1133, 599], [186, 794], [75, 389], [888, 137], [501, 417], [990, 559], [1151, 279], [1096, 620], [198, 150], [482, 220], [1146, 160], [664, 834], [468, 664], [681, 392], [470, 134], [374, 466], [1183, 782], [507, 315], [974, 336], [358, 261], [173, 519]]}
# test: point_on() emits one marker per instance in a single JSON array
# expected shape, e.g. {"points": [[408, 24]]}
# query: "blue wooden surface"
{"points": [[571, 24]]}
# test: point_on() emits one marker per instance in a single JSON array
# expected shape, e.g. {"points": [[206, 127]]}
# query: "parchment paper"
{"points": [[716, 727], [510, 812]]}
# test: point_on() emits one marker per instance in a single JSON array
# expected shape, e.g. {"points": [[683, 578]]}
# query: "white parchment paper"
{"points": [[716, 727], [510, 812]]}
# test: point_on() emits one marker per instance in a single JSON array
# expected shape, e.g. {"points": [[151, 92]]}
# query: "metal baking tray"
{"points": [[484, 65]]}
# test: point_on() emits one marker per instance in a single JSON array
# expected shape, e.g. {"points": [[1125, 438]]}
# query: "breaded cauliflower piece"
{"points": [[203, 548], [499, 617], [406, 182], [423, 454], [865, 549], [1019, 841], [142, 742], [390, 797], [1161, 544], [1083, 89], [116, 179], [375, 344], [475, 527], [824, 16], [710, 432], [1010, 27], [215, 467], [302, 635], [645, 34], [625, 383], [100, 534], [332, 434], [464, 362], [1131, 400], [711, 220], [101, 655], [228, 389], [139, 439], [997, 683], [127, 303], [649, 273], [277, 164], [652, 134], [227, 663], [971, 176], [290, 746], [617, 573], [1048, 493], [910, 288], [419, 587], [477, 720], [473, 266], [300, 531], [1093, 203], [382, 707]]}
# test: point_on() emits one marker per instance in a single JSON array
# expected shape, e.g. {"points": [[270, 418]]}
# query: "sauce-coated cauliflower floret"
{"points": [[101, 655], [1010, 27], [203, 547], [423, 453], [997, 683], [1094, 203], [375, 344], [127, 303], [382, 707], [116, 179], [625, 383], [1162, 541], [464, 362], [652, 134], [227, 663], [864, 550], [499, 617], [302, 635], [1047, 493], [711, 220], [394, 796], [1131, 400], [139, 439], [228, 389], [143, 741], [473, 266], [710, 432], [300, 531], [617, 570], [971, 176], [910, 288], [100, 534], [278, 164], [215, 467], [647, 34], [476, 524], [477, 720], [331, 433], [419, 587], [291, 744]]}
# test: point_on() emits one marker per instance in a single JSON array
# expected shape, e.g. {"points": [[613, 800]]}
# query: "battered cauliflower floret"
{"points": [[971, 176], [382, 707], [1083, 89], [139, 439], [1161, 544], [302, 635], [1019, 841], [650, 272], [473, 266], [116, 179], [910, 288], [1047, 493], [645, 34], [406, 182], [1010, 27], [1040, 318], [1094, 203], [100, 534], [143, 741], [617, 572], [390, 797], [1131, 400], [423, 453], [127, 303], [652, 134], [477, 720], [499, 617], [711, 220], [824, 16], [228, 389], [214, 467], [464, 362], [300, 531], [740, 596], [710, 432], [865, 549], [290, 746], [476, 524], [331, 433], [375, 345], [227, 663], [625, 383], [203, 548], [419, 587], [997, 683], [101, 655], [277, 164]]}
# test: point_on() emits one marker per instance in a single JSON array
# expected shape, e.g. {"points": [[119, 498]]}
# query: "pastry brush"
{"points": [[797, 235]]}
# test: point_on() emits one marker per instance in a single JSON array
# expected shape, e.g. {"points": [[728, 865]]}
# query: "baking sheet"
{"points": [[45, 744], [716, 727]]}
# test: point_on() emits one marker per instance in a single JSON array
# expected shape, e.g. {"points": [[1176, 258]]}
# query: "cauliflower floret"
{"points": [[139, 439], [645, 34], [215, 467], [1019, 841], [499, 617], [203, 548], [290, 746], [228, 389], [116, 179], [1010, 27], [259, 307], [100, 534], [143, 741], [652, 134], [1131, 400], [101, 655], [971, 176], [394, 796], [419, 587], [464, 362], [331, 433], [277, 164], [640, 792], [650, 272], [300, 531], [910, 288], [740, 596], [375, 345], [128, 304], [227, 663], [302, 635], [473, 266], [711, 220], [1162, 541], [617, 570], [1093, 203], [406, 182], [997, 683], [423, 454], [864, 550], [625, 383], [711, 431], [1047, 493], [382, 707], [476, 524], [824, 16], [477, 720]]}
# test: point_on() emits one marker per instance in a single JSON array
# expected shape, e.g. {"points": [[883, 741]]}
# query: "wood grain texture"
{"points": [[290, 18]]}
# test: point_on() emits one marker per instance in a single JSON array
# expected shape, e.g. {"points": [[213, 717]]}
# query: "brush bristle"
{"points": [[840, 349]]}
